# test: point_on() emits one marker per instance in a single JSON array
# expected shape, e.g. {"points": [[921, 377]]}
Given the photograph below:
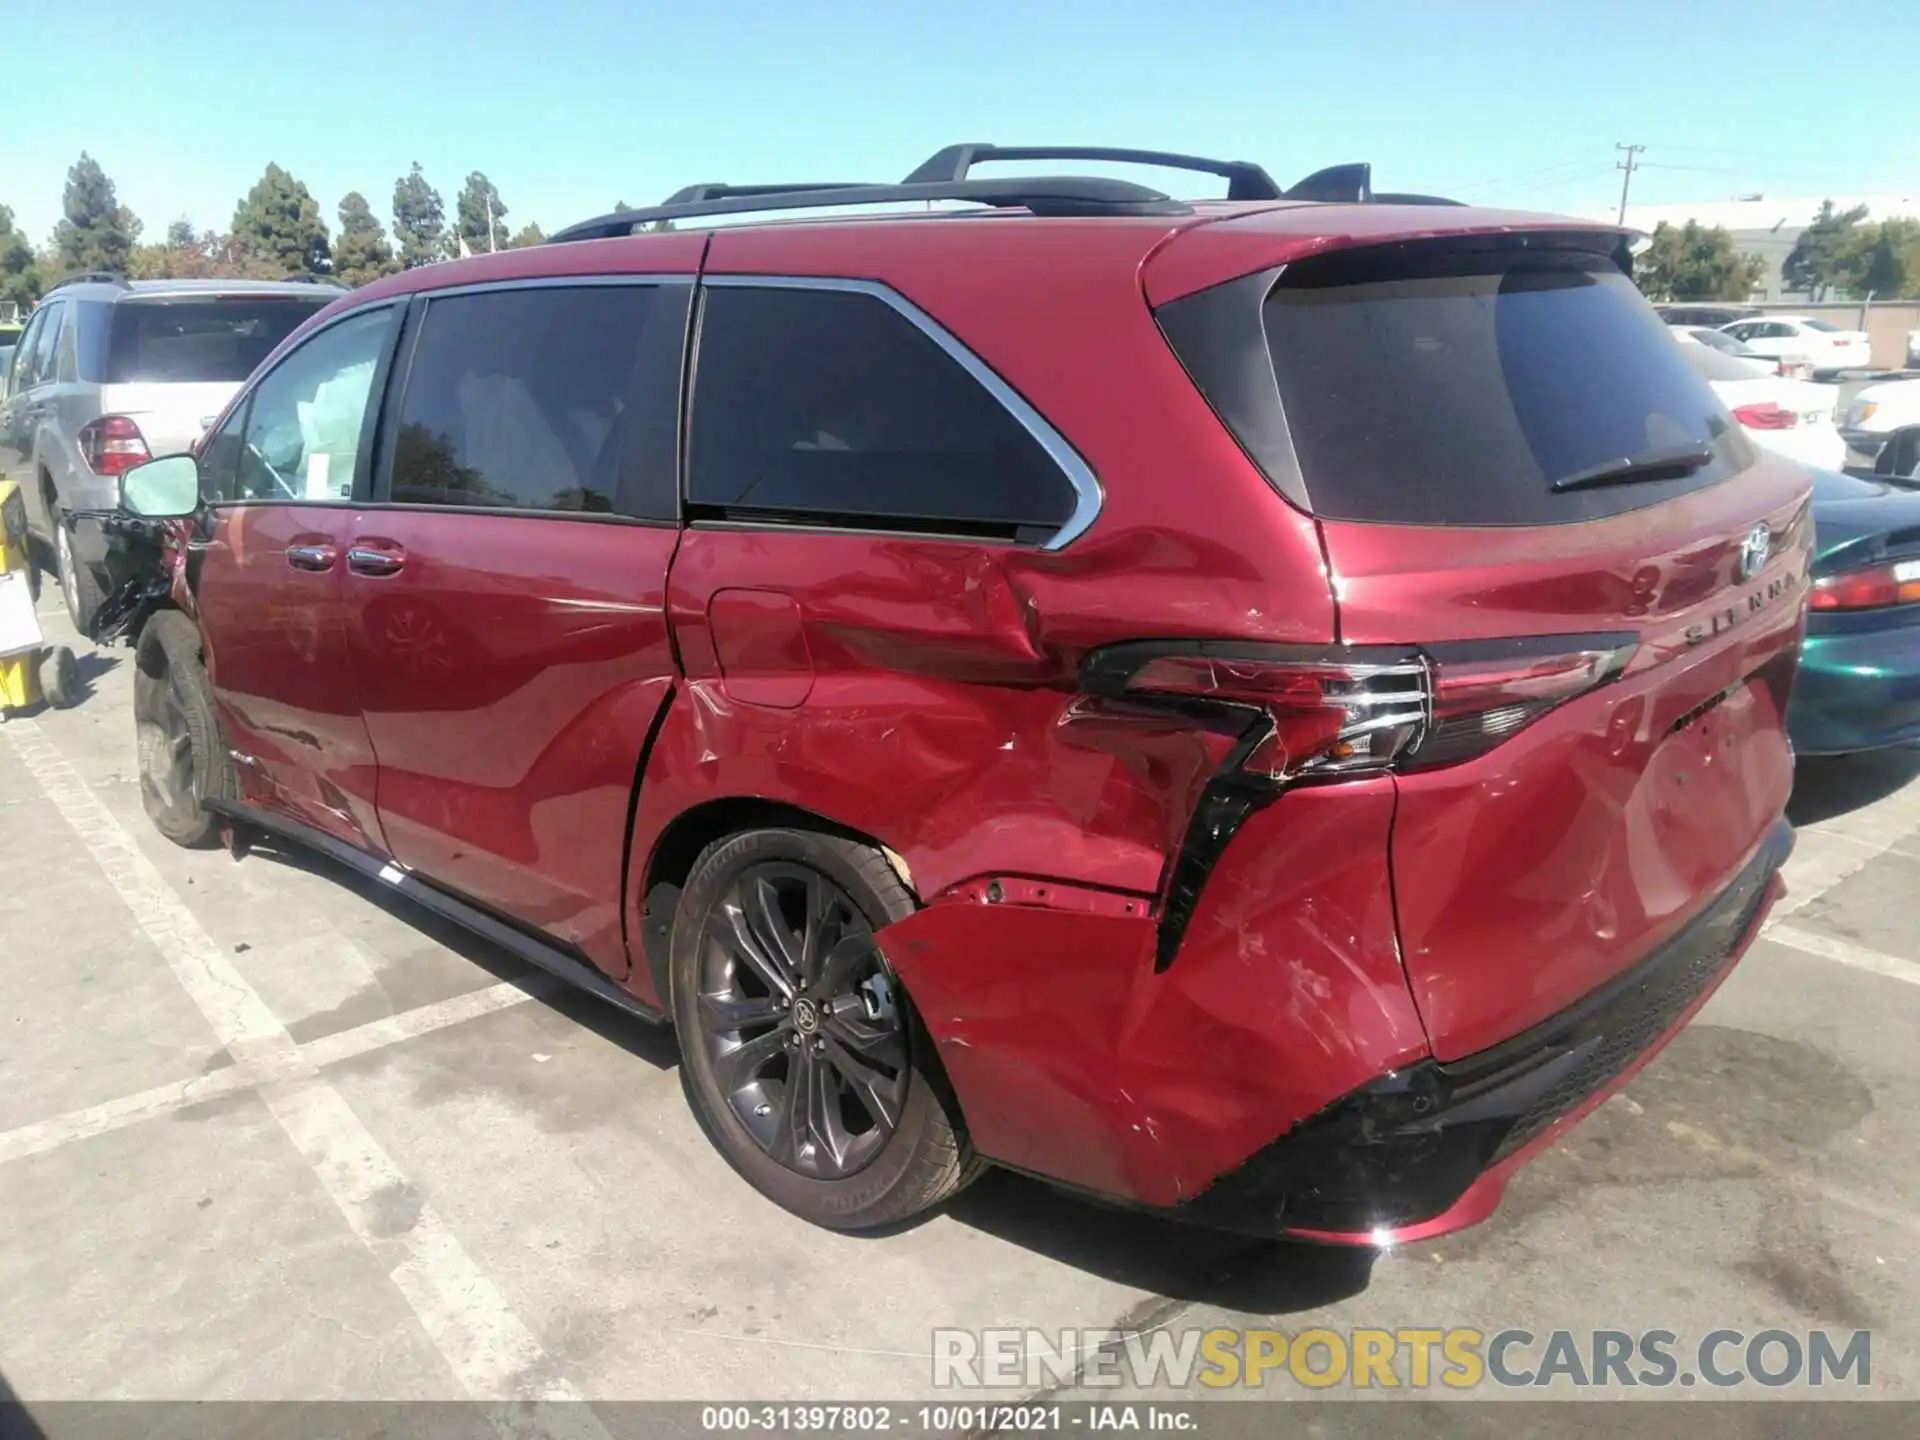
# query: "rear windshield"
{"points": [[213, 339], [1440, 386], [1822, 326]]}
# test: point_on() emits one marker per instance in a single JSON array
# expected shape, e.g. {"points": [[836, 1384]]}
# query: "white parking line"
{"points": [[493, 1355], [117, 1114], [1845, 952]]}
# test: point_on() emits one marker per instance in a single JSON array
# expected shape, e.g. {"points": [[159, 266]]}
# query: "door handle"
{"points": [[375, 560], [311, 557]]}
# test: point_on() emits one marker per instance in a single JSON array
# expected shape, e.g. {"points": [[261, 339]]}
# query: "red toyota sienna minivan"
{"points": [[1264, 709]]}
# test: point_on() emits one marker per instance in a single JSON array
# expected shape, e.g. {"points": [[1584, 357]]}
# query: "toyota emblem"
{"points": [[1753, 554]]}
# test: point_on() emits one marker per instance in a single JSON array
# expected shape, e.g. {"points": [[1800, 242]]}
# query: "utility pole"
{"points": [[1626, 179]]}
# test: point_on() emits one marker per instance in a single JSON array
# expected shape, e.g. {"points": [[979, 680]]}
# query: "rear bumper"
{"points": [[1857, 691], [1428, 1148]]}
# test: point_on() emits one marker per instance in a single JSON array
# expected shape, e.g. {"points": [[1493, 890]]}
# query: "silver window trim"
{"points": [[1088, 494]]}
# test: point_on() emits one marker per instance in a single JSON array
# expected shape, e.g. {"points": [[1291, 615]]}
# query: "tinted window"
{"points": [[20, 375], [186, 341], [524, 399], [46, 344], [1453, 387], [298, 436], [832, 406]]}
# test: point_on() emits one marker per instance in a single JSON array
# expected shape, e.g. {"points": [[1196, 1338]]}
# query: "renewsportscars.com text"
{"points": [[1460, 1358]]}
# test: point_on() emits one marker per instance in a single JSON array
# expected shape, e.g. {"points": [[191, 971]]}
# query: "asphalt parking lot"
{"points": [[263, 1137]]}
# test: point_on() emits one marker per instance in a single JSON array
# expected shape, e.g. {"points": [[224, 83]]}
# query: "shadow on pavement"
{"points": [[1162, 1257], [1825, 786], [654, 1044], [16, 1421]]}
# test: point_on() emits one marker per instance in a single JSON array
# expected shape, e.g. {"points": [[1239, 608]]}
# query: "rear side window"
{"points": [[1449, 385], [194, 341], [831, 407], [543, 398]]}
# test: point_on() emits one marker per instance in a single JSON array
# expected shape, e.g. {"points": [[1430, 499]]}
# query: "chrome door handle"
{"points": [[311, 557], [364, 561]]}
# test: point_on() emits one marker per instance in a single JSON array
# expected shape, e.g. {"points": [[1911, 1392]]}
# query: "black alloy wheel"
{"points": [[800, 1020]]}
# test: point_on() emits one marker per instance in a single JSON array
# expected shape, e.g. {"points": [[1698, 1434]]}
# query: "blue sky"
{"points": [[570, 105]]}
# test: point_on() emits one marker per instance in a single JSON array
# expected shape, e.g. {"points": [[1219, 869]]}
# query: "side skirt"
{"points": [[571, 967]]}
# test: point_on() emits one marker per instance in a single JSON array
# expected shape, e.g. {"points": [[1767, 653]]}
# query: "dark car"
{"points": [[1264, 709], [1859, 683]]}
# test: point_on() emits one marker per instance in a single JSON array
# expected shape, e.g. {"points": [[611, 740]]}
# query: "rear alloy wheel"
{"points": [[801, 1054]]}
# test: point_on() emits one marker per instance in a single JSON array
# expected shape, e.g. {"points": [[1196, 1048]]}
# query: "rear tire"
{"points": [[183, 760], [77, 585], [802, 1057]]}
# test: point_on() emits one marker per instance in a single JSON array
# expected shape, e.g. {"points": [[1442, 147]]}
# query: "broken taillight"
{"points": [[1357, 710]]}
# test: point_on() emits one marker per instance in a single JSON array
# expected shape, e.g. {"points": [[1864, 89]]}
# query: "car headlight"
{"points": [[1864, 411]]}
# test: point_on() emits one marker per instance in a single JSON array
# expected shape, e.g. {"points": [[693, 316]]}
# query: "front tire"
{"points": [[801, 1055], [183, 761]]}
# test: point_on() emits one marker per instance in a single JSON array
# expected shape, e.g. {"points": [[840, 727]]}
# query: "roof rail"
{"points": [[694, 194], [1245, 180], [1042, 194], [90, 277]]}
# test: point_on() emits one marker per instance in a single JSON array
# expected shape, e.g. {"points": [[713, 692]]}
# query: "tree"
{"points": [[180, 235], [96, 232], [20, 278], [1883, 259], [478, 216], [1696, 262], [279, 225], [528, 234], [363, 254], [419, 220], [1816, 261], [620, 207]]}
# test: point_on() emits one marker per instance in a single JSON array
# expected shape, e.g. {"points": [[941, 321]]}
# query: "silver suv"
{"points": [[111, 372]]}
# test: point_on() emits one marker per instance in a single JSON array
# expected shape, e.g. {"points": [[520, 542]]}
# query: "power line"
{"points": [[1627, 179]]}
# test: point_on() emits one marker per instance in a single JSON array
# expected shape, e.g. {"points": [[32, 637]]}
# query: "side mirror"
{"points": [[164, 489], [1900, 456]]}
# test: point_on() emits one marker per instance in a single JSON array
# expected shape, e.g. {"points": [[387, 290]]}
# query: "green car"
{"points": [[1859, 684]]}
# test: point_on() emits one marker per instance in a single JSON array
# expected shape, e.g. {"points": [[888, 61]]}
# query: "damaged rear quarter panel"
{"points": [[1072, 1058]]}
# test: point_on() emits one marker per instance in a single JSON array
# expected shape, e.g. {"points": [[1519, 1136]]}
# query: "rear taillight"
{"points": [[113, 445], [1484, 693], [1353, 711], [1875, 588], [1765, 415]]}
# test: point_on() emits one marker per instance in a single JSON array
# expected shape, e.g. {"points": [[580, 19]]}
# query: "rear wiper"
{"points": [[1667, 463]]}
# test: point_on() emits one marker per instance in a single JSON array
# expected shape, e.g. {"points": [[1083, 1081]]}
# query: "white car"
{"points": [[1793, 417], [1877, 410], [1913, 349], [1818, 343], [1713, 339]]}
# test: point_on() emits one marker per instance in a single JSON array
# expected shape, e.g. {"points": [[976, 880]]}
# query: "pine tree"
{"points": [[278, 225], [479, 216], [20, 279], [96, 232], [363, 254], [419, 221], [528, 234]]}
